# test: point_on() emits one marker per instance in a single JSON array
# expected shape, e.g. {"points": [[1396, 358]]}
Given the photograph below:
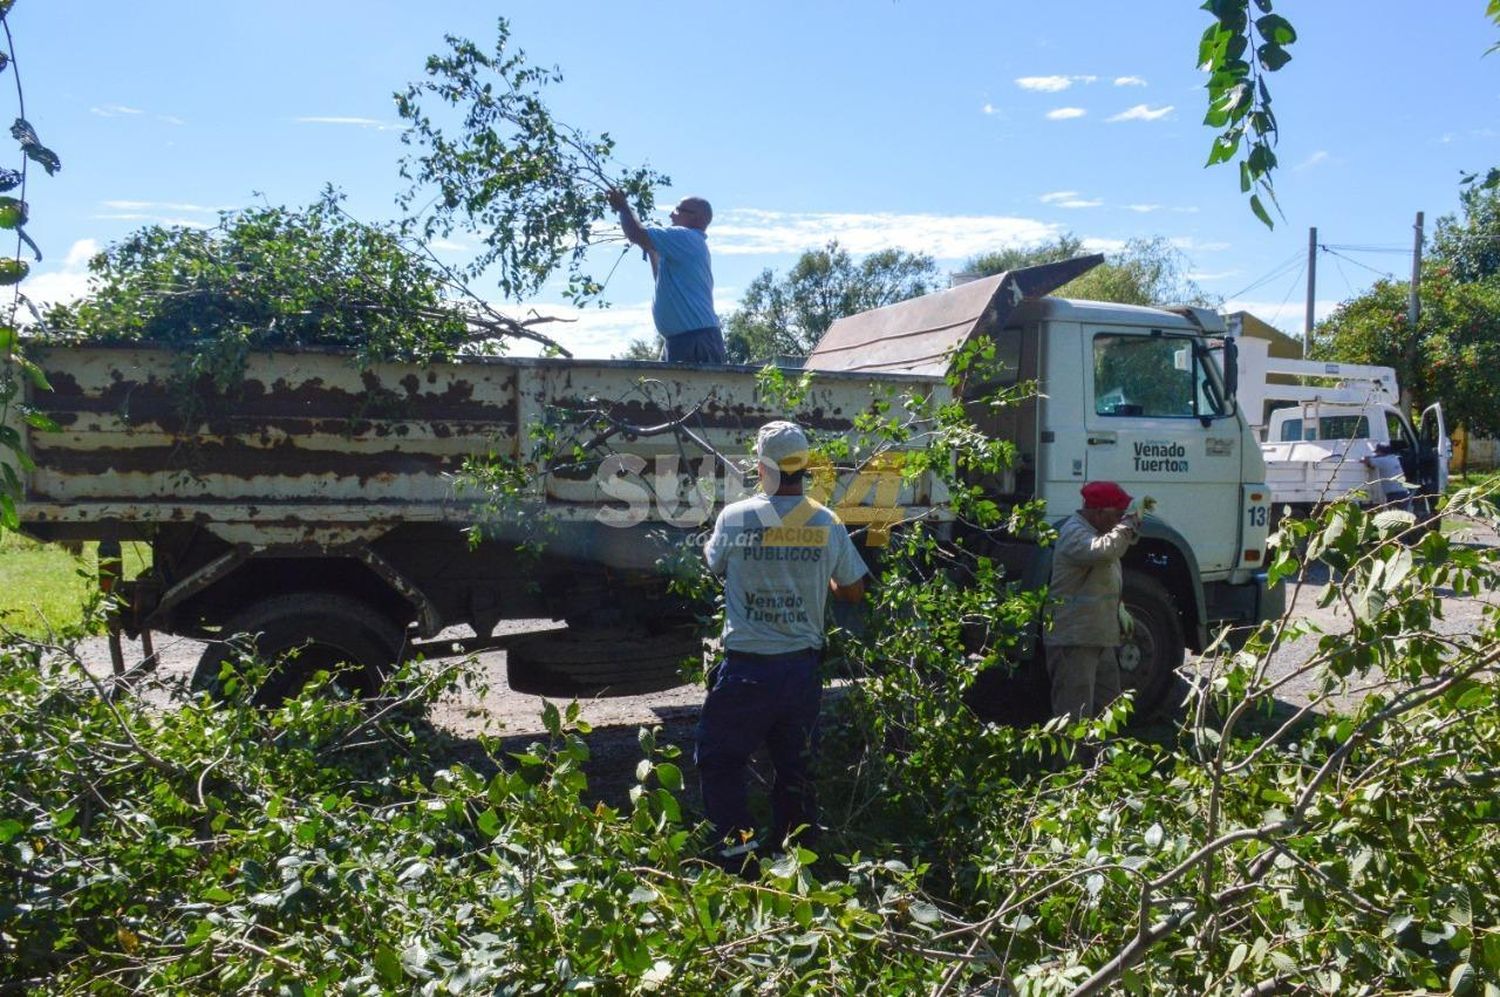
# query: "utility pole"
{"points": [[1413, 313], [1312, 286]]}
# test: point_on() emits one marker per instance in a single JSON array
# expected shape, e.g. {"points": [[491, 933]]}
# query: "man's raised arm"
{"points": [[629, 224]]}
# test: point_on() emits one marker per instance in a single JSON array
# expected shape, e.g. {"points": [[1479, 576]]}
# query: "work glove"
{"points": [[1127, 622]]}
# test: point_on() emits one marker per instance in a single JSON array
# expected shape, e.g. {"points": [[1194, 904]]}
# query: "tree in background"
{"points": [[1470, 245], [1143, 272], [788, 315], [1454, 354]]}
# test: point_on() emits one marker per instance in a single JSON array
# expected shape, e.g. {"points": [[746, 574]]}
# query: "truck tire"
{"points": [[1149, 658], [319, 631], [609, 661]]}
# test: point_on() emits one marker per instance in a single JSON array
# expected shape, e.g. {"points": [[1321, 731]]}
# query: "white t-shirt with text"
{"points": [[776, 555]]}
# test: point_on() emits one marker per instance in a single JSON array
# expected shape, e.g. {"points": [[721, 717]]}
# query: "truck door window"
{"points": [[1155, 376], [1291, 431], [1343, 427], [1400, 434]]}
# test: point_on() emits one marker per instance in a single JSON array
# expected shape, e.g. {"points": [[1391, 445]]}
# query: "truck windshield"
{"points": [[1157, 376]]}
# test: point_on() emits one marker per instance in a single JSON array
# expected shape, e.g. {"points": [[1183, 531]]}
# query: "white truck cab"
{"points": [[1124, 393], [1320, 435]]}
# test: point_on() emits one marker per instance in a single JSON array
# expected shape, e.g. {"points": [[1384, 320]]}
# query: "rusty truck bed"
{"points": [[311, 449]]}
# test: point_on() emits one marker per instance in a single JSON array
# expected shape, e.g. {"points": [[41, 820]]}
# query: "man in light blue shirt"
{"points": [[781, 556], [683, 306]]}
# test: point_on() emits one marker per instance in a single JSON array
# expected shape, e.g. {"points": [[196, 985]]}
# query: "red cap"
{"points": [[1104, 495]]}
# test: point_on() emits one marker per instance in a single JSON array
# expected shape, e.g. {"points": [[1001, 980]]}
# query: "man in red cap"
{"points": [[1083, 645]]}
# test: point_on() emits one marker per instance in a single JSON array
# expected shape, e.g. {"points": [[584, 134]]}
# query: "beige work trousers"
{"points": [[1084, 679]]}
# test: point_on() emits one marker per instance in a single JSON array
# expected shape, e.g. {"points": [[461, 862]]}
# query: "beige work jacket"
{"points": [[1084, 595]]}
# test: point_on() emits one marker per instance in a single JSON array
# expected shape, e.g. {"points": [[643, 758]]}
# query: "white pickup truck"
{"points": [[1319, 436]]}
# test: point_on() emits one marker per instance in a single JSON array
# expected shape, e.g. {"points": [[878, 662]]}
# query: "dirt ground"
{"points": [[615, 720]]}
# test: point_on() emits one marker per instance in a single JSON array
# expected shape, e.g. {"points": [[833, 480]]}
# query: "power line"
{"points": [[1382, 273], [1349, 248], [1279, 270], [1296, 281]]}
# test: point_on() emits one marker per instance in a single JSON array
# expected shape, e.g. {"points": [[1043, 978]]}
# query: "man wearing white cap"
{"points": [[780, 555]]}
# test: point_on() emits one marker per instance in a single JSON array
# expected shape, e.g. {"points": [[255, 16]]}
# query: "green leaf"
{"points": [[924, 913], [488, 823], [1260, 211], [670, 776], [217, 895], [388, 965], [1224, 148], [10, 828], [34, 372], [1276, 29], [8, 336], [551, 718], [1237, 957], [1273, 57]]}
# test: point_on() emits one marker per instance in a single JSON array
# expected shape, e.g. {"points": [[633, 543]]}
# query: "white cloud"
{"points": [[1316, 159], [1065, 113], [1143, 112], [121, 111], [1188, 244], [1045, 84], [162, 206], [67, 283], [1097, 245], [1051, 84], [334, 119], [1069, 199], [1202, 277], [989, 109], [749, 231], [1129, 81], [1144, 209], [169, 213]]}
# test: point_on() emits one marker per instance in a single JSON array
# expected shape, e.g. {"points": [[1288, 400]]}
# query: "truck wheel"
{"points": [[1150, 657], [599, 661], [303, 633]]}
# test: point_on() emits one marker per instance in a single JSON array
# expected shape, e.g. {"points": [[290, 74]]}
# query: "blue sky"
{"points": [[948, 128]]}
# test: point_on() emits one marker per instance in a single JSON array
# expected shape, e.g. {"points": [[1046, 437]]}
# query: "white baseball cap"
{"points": [[783, 445]]}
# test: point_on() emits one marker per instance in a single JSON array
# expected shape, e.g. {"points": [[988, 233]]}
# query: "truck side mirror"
{"points": [[1231, 368]]}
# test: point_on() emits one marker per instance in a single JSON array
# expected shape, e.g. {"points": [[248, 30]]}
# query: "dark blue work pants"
{"points": [[760, 699], [695, 346]]}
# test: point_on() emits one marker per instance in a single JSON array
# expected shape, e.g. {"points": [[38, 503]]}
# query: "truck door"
{"points": [[1432, 436], [1157, 422]]}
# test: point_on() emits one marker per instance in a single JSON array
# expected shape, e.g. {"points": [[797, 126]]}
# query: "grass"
{"points": [[44, 586], [1474, 479]]}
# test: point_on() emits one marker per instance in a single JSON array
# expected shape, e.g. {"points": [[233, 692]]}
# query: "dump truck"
{"points": [[332, 508]]}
